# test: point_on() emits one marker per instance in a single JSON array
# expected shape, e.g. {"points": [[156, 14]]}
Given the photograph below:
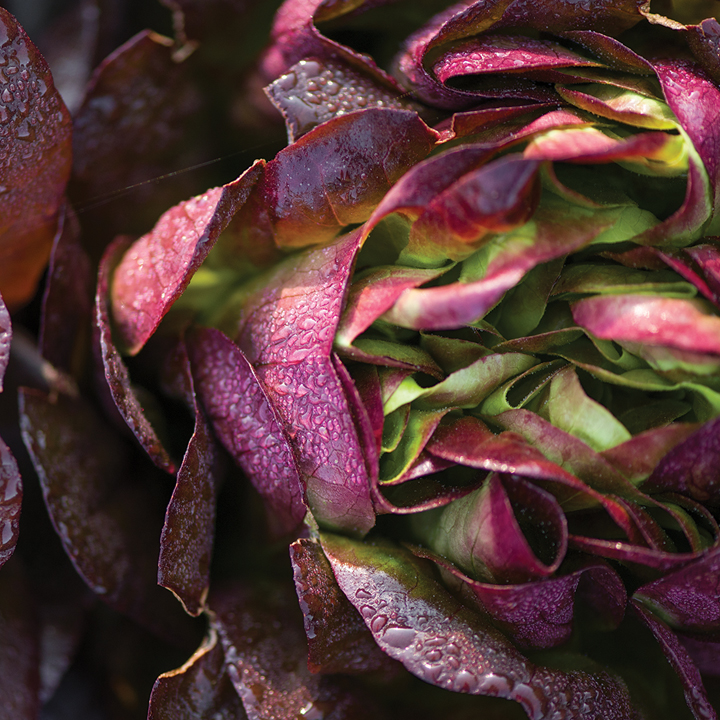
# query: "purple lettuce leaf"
{"points": [[704, 41], [335, 175], [105, 520], [700, 265], [691, 466], [67, 301], [158, 267], [658, 329], [247, 425], [188, 532], [611, 51], [5, 340], [416, 621], [313, 91], [495, 198], [375, 293], [695, 100], [493, 118], [137, 119], [540, 614], [488, 533], [471, 19], [695, 694], [704, 650], [266, 659], [117, 377], [550, 235], [11, 493], [689, 598], [199, 690], [20, 646], [338, 639], [286, 331], [366, 380], [34, 163]]}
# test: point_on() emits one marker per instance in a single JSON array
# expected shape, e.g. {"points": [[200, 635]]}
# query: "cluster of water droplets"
{"points": [[314, 91], [30, 111]]}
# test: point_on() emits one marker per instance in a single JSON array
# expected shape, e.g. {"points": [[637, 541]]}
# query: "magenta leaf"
{"points": [[691, 467], [117, 376], [314, 91], [335, 175], [286, 330], [266, 659], [488, 532], [695, 694], [199, 690], [695, 100], [158, 267], [20, 646], [186, 540], [416, 621], [540, 614], [338, 639], [247, 425], [11, 493], [100, 506], [68, 300], [5, 340], [689, 598], [35, 160], [648, 322]]}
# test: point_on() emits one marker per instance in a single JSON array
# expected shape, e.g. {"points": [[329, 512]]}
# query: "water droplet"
{"points": [[399, 638], [530, 698], [361, 593], [7, 532], [494, 685], [7, 96], [378, 623], [464, 682]]}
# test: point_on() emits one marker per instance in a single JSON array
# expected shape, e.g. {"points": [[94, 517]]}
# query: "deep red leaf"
{"points": [[11, 493], [338, 639], [101, 507], [199, 690], [115, 370], [35, 157], [5, 339], [187, 536], [158, 267]]}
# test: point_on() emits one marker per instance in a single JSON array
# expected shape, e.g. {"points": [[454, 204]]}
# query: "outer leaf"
{"points": [[153, 273], [338, 640], [266, 659], [187, 536], [116, 372], [134, 124], [286, 330], [695, 694], [415, 620], [199, 690], [5, 340], [11, 493], [68, 300], [335, 175], [35, 158], [104, 519], [247, 425], [20, 646]]}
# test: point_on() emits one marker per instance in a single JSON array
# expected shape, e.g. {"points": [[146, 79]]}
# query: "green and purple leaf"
{"points": [[416, 621], [11, 493]]}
